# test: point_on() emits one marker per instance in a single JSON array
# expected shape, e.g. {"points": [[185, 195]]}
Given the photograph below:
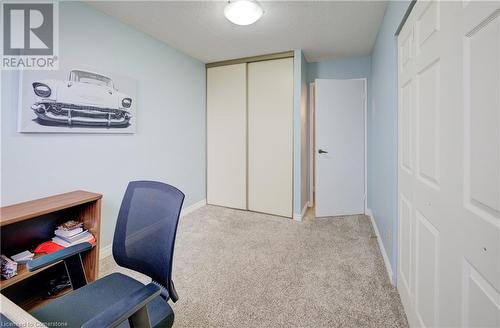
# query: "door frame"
{"points": [[314, 154], [312, 141]]}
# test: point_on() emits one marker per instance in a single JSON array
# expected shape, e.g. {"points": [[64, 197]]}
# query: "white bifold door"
{"points": [[340, 147], [250, 136], [449, 164]]}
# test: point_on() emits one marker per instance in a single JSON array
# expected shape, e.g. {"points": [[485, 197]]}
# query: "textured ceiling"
{"points": [[322, 29]]}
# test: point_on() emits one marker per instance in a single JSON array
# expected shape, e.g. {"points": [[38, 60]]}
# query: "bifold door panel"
{"points": [[449, 164]]}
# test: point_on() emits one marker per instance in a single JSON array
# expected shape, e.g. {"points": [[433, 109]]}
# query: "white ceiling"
{"points": [[323, 30]]}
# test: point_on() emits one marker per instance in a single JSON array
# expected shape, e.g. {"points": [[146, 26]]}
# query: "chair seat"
{"points": [[83, 304]]}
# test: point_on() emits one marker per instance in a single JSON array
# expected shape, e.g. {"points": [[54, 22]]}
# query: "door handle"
{"points": [[321, 151]]}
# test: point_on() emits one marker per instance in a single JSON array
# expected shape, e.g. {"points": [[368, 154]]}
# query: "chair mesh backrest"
{"points": [[146, 227]]}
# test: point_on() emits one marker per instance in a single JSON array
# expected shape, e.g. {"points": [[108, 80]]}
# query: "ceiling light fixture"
{"points": [[243, 12]]}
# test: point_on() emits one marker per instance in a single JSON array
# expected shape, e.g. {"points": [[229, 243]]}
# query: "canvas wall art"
{"points": [[77, 100]]}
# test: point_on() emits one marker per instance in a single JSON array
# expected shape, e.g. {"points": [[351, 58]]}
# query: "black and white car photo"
{"points": [[86, 98], [81, 101]]}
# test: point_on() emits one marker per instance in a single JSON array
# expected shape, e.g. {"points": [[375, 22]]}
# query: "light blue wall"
{"points": [[300, 134], [345, 68], [170, 141], [382, 131]]}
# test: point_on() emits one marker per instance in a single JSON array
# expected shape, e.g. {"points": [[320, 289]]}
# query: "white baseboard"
{"points": [[106, 251], [381, 245], [193, 207], [298, 217]]}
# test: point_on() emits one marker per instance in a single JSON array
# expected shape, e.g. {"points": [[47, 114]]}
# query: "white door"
{"points": [[340, 147], [449, 164], [479, 197], [226, 136], [270, 136]]}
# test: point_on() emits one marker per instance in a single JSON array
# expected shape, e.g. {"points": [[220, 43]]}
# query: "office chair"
{"points": [[143, 241]]}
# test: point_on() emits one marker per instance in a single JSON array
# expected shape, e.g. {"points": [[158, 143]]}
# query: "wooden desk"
{"points": [[25, 225]]}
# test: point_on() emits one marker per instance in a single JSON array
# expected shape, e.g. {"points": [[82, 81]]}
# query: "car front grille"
{"points": [[84, 108], [79, 113], [62, 109]]}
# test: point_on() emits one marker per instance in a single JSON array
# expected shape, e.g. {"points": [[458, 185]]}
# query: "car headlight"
{"points": [[41, 90], [126, 102]]}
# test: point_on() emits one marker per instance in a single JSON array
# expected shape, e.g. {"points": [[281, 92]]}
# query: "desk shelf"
{"points": [[22, 273], [25, 225]]}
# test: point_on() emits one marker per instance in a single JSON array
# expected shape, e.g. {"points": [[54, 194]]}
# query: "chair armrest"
{"points": [[125, 308], [55, 257], [18, 316]]}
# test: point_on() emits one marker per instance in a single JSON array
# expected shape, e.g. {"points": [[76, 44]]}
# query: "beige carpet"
{"points": [[241, 269]]}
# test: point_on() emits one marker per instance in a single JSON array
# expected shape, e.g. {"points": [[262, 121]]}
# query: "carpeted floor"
{"points": [[242, 269]]}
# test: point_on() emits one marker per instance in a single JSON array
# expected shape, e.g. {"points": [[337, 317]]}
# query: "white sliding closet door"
{"points": [[449, 164], [270, 136], [226, 136]]}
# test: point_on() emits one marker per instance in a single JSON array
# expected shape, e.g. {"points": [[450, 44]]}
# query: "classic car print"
{"points": [[85, 99]]}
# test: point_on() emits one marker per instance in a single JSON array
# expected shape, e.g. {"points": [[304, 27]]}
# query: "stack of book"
{"points": [[72, 233], [23, 257]]}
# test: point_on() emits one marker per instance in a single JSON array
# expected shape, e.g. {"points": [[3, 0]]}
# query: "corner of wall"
{"points": [[297, 92], [300, 135], [388, 267], [382, 135]]}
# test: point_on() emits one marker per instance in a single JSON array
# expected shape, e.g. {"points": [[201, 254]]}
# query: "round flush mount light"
{"points": [[243, 12]]}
